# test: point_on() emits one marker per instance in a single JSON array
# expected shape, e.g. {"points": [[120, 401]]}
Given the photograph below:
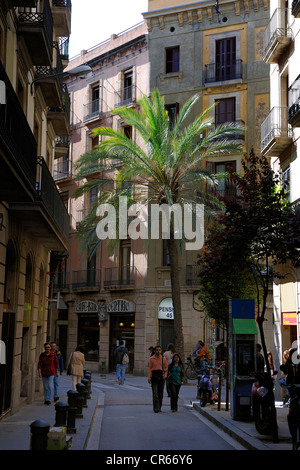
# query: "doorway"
{"points": [[121, 328]]}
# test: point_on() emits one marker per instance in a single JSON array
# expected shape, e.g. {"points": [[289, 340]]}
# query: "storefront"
{"points": [[88, 328], [121, 314], [166, 322]]}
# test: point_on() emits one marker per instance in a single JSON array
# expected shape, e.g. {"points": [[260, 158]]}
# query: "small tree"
{"points": [[257, 234]]}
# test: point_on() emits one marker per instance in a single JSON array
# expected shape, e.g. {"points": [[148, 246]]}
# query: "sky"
{"points": [[94, 21]]}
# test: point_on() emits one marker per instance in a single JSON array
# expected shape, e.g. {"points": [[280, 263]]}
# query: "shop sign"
{"points": [[87, 306], [166, 310], [289, 318], [121, 306]]}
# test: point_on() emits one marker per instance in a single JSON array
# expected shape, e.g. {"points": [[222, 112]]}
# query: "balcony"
{"points": [[46, 218], [18, 149], [86, 280], [120, 278], [276, 132], [223, 72], [60, 115], [296, 8], [61, 11], [294, 104], [23, 3], [92, 111], [277, 37], [126, 97], [62, 170], [37, 31]]}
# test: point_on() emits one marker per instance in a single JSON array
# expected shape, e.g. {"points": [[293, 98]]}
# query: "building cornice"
{"points": [[196, 12]]}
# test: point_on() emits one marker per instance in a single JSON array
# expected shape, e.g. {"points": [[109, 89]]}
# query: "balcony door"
{"points": [[225, 59]]}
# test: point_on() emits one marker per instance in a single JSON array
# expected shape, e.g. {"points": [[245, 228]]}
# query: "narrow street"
{"points": [[129, 423]]}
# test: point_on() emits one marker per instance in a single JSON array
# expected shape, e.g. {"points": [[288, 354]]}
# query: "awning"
{"points": [[244, 326]]}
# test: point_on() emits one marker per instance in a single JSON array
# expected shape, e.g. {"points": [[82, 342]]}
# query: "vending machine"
{"points": [[242, 347]]}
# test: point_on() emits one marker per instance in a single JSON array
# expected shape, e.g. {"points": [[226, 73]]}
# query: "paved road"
{"points": [[129, 423]]}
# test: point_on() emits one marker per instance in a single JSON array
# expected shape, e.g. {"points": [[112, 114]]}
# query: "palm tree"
{"points": [[167, 169]]}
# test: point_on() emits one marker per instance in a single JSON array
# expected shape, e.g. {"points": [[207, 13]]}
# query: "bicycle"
{"points": [[192, 369]]}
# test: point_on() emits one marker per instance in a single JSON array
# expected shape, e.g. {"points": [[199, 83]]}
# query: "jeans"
{"points": [[157, 395], [121, 369], [48, 384], [174, 395], [56, 384]]}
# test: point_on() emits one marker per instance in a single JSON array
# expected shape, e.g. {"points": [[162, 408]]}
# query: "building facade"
{"points": [[215, 50], [182, 48], [34, 231], [280, 142]]}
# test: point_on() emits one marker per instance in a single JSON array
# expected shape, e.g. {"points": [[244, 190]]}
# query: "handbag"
{"points": [[69, 367]]}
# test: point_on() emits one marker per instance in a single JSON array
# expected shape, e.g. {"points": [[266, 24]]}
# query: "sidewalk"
{"points": [[15, 429]]}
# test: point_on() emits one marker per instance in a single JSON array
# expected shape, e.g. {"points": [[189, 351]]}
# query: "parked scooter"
{"points": [[208, 388], [294, 415], [263, 403]]}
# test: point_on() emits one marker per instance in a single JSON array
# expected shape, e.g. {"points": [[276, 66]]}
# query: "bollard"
{"points": [[88, 377], [85, 392], [72, 399], [80, 400], [103, 368], [39, 434], [61, 409]]}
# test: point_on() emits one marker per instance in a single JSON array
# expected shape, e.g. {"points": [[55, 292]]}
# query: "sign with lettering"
{"points": [[166, 310], [121, 305], [87, 306]]}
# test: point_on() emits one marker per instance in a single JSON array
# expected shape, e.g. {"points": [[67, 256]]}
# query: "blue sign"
{"points": [[243, 308]]}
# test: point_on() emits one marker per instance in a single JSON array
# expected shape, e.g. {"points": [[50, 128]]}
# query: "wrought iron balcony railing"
{"points": [[277, 37], [123, 276], [62, 170], [92, 110], [88, 278], [276, 132], [219, 72]]}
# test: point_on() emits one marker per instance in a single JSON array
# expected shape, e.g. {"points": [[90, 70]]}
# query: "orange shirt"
{"points": [[203, 353], [155, 363]]}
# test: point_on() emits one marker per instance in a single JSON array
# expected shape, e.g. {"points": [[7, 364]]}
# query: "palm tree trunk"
{"points": [[176, 298]]}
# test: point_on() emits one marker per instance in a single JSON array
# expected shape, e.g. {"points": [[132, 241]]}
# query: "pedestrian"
{"points": [[151, 350], [157, 373], [203, 355], [175, 379], [168, 354], [47, 370], [282, 380], [121, 367], [271, 364], [60, 368], [75, 365]]}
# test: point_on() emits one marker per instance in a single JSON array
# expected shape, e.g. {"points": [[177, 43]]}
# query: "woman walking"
{"points": [[175, 379], [75, 366]]}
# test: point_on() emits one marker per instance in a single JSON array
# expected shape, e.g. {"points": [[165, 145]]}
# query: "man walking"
{"points": [[60, 369], [157, 373], [122, 364]]}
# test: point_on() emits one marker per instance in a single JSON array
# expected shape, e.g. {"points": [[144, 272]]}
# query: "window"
{"points": [[95, 95], [286, 179], [166, 255], [225, 188], [172, 59], [225, 111], [173, 110], [125, 262], [127, 90], [226, 59]]}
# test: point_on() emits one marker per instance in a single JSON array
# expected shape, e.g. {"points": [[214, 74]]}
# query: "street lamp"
{"points": [[81, 71]]}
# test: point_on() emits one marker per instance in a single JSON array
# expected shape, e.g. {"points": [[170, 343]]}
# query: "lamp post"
{"points": [[81, 71]]}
